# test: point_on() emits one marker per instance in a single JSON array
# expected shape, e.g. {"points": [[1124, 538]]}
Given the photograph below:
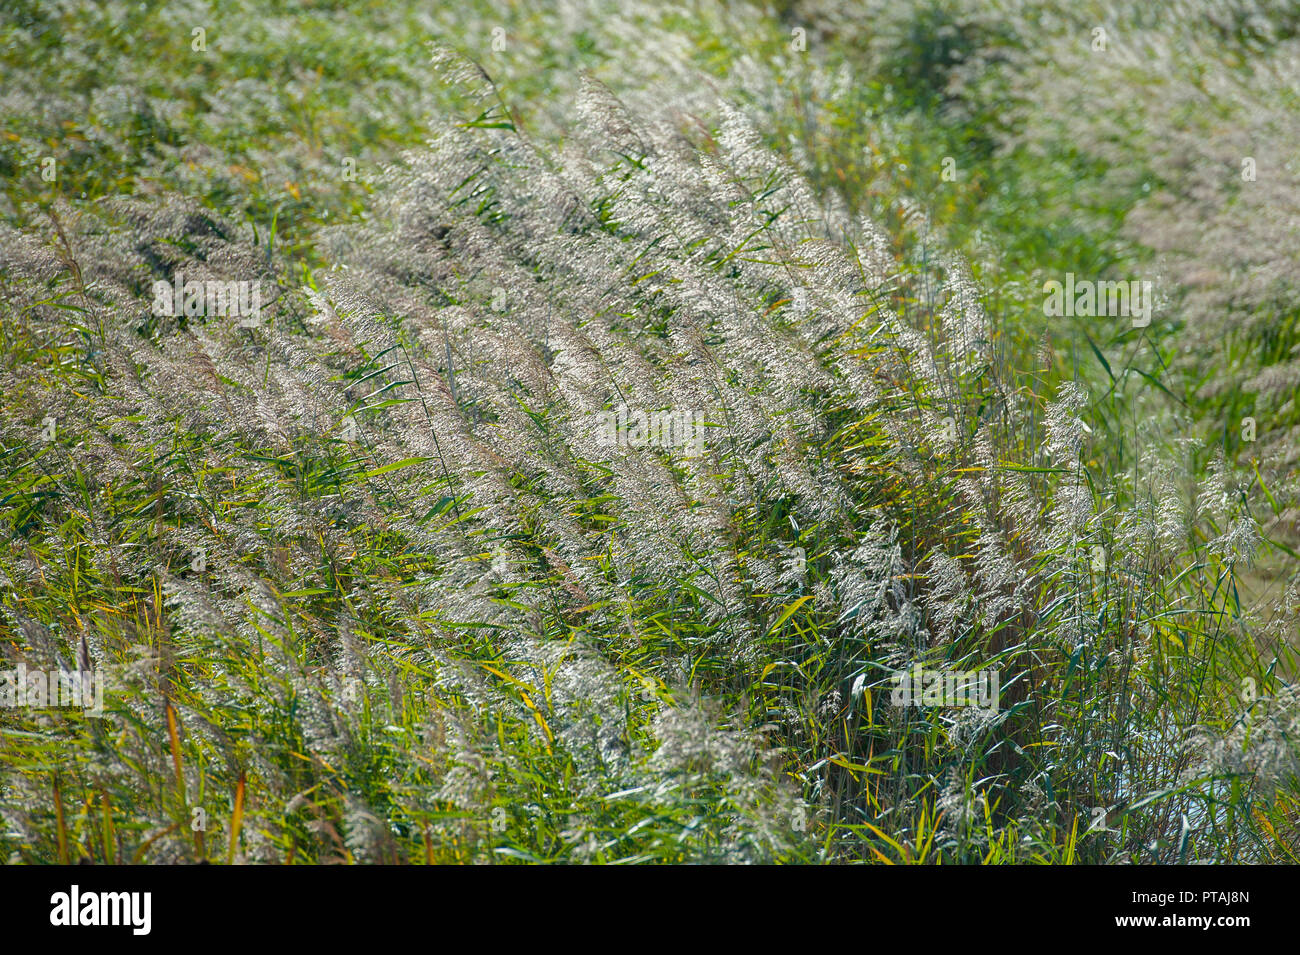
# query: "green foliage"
{"points": [[366, 589]]}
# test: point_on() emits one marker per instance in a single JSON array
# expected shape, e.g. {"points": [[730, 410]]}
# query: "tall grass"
{"points": [[369, 587]]}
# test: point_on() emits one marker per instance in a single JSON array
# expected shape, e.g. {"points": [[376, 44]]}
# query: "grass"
{"points": [[334, 641]]}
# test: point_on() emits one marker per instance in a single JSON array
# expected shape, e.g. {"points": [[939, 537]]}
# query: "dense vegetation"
{"points": [[364, 577]]}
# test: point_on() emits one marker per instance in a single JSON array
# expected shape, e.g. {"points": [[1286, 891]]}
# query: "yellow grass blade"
{"points": [[236, 819]]}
